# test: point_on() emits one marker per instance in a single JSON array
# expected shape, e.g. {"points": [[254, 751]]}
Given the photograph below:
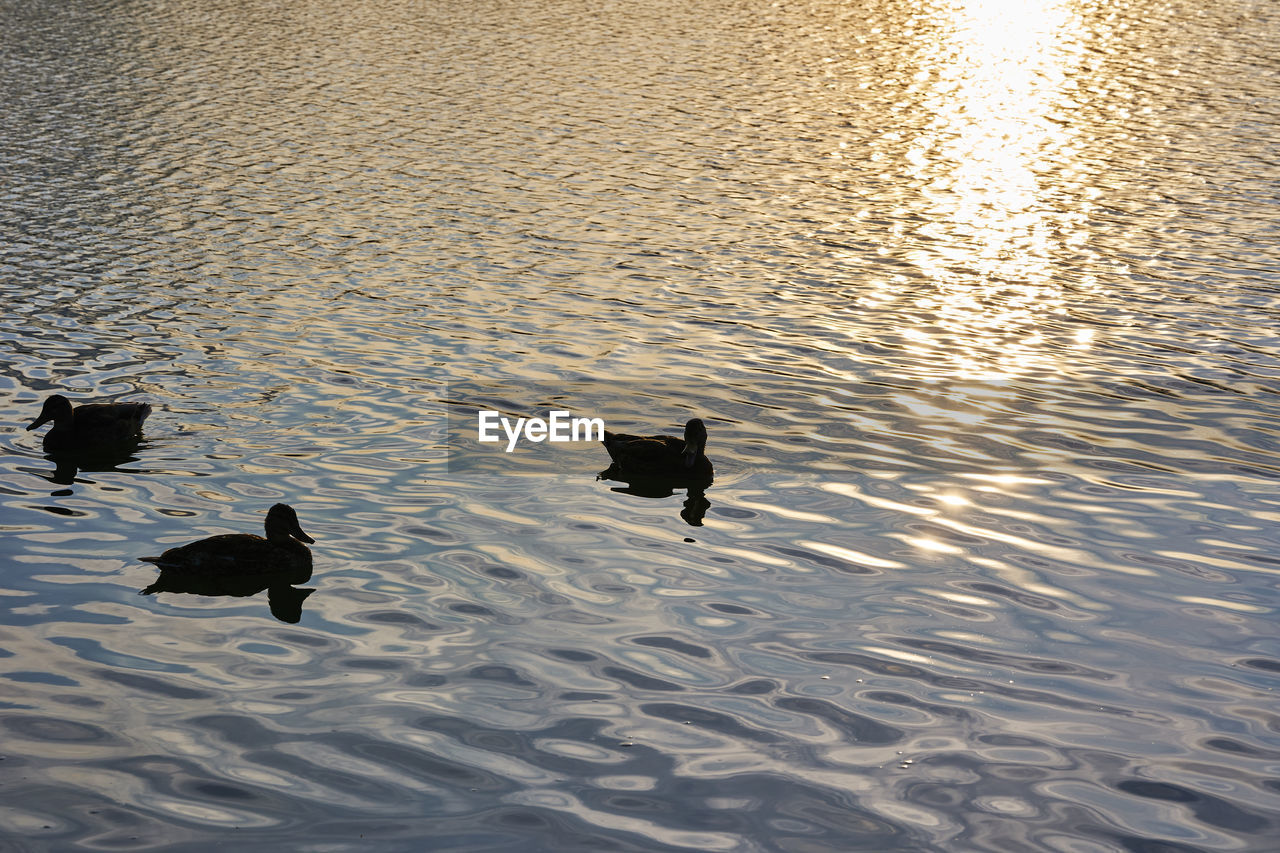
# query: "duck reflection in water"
{"points": [[69, 466], [91, 437], [242, 564], [655, 466]]}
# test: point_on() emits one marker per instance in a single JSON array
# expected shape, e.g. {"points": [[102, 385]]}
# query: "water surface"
{"points": [[977, 301]]}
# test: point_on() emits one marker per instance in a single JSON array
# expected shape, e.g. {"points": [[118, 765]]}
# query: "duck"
{"points": [[91, 427], [660, 456], [229, 554]]}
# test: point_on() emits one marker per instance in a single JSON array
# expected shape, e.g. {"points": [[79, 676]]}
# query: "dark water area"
{"points": [[978, 302]]}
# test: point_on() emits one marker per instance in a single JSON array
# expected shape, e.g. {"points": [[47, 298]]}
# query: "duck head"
{"points": [[57, 409], [695, 441], [282, 524]]}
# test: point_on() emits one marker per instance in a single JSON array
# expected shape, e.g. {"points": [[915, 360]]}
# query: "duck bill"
{"points": [[295, 530], [40, 421], [690, 454]]}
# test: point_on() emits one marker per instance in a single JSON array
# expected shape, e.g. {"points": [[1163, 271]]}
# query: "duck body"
{"points": [[280, 552], [93, 427], [660, 457]]}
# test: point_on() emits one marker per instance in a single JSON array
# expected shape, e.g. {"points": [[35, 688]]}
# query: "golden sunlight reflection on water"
{"points": [[996, 80]]}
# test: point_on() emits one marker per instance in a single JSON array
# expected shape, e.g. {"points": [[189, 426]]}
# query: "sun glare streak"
{"points": [[995, 82]]}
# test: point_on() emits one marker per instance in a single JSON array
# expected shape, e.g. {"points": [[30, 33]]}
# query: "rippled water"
{"points": [[977, 300]]}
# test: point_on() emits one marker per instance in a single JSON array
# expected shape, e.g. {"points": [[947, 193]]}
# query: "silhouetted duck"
{"points": [[91, 427], [660, 456], [244, 553]]}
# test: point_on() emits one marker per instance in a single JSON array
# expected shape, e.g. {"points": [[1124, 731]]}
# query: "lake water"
{"points": [[978, 301]]}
